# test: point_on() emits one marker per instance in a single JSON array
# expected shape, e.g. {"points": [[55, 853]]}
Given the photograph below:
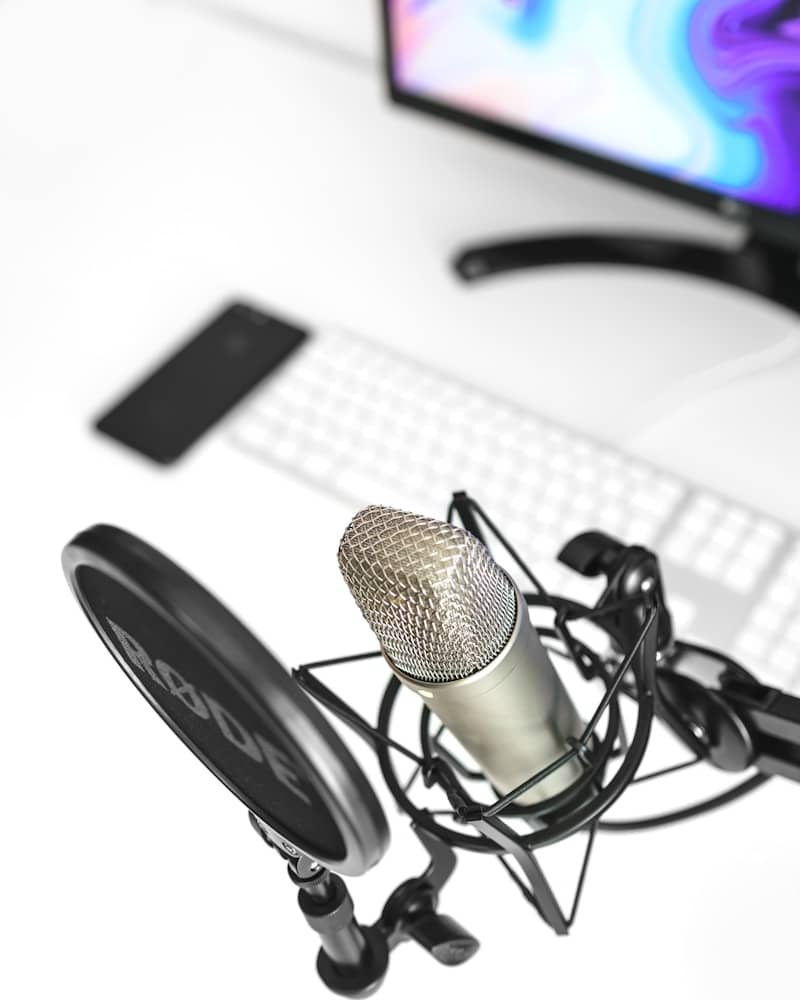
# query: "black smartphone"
{"points": [[196, 386]]}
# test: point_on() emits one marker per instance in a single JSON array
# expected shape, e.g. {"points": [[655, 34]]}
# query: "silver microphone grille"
{"points": [[431, 592]]}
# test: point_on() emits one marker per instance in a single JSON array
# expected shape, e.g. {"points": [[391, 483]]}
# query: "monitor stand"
{"points": [[757, 266]]}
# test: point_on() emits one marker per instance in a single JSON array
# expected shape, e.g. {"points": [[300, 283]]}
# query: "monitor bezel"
{"points": [[765, 223]]}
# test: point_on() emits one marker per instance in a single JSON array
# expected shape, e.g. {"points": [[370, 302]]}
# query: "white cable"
{"points": [[276, 30], [694, 387]]}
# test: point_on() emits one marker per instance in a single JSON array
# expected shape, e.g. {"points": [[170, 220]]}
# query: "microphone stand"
{"points": [[772, 720]]}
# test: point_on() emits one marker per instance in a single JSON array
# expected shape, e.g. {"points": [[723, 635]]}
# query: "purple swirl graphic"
{"points": [[749, 52]]}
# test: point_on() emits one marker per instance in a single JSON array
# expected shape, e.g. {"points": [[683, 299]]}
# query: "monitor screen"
{"points": [[701, 95]]}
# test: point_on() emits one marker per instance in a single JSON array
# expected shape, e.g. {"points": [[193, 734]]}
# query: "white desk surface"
{"points": [[156, 159]]}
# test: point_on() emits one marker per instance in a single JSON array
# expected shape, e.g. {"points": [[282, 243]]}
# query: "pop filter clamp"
{"points": [[229, 685], [353, 959]]}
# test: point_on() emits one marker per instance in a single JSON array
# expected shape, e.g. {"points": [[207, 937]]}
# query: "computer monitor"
{"points": [[699, 99]]}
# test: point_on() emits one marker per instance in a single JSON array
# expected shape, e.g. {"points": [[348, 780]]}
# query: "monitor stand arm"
{"points": [[757, 266]]}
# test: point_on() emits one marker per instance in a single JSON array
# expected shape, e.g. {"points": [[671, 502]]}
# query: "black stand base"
{"points": [[759, 267]]}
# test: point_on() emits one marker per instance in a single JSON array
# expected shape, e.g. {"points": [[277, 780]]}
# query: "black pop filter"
{"points": [[229, 700]]}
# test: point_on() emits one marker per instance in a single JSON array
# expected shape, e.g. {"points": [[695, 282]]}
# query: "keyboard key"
{"points": [[683, 612], [583, 502], [768, 618], [612, 487], [785, 664], [741, 577], [723, 536], [783, 594], [752, 644], [770, 531], [679, 548], [642, 530], [709, 561]]}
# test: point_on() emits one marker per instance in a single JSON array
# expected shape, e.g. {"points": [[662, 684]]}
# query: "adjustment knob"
{"points": [[442, 937], [591, 553]]}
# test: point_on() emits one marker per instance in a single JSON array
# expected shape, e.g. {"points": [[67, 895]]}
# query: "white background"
{"points": [[156, 159]]}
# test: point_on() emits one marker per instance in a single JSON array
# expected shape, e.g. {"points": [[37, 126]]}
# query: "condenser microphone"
{"points": [[455, 629]]}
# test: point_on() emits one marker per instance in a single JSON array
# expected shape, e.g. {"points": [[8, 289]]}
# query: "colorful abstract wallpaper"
{"points": [[706, 92]]}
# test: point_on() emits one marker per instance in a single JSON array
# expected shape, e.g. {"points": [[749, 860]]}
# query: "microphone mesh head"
{"points": [[439, 604]]}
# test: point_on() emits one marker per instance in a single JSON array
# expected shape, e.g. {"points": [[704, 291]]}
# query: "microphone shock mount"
{"points": [[725, 718]]}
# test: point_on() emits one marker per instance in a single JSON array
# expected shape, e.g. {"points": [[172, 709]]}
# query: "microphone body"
{"points": [[513, 716], [455, 629]]}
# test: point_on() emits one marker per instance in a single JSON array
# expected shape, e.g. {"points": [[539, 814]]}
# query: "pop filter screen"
{"points": [[229, 700]]}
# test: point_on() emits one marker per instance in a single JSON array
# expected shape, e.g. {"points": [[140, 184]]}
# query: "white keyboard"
{"points": [[362, 422]]}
